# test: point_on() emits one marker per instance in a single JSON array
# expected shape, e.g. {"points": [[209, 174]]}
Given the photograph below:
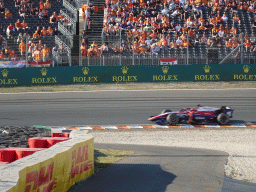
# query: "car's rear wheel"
{"points": [[166, 110], [172, 119], [222, 119]]}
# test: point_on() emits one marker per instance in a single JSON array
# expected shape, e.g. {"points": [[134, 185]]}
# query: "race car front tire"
{"points": [[172, 119], [222, 119]]}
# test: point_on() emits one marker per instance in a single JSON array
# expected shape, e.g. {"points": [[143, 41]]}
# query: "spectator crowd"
{"points": [[153, 26], [26, 37]]}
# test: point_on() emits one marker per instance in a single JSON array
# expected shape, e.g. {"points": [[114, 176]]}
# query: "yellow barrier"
{"points": [[60, 172]]}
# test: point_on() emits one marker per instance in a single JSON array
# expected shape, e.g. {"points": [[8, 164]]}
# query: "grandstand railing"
{"points": [[70, 8], [62, 49]]}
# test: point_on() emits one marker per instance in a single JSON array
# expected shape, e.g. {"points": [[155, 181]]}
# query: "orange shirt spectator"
{"points": [[185, 44], [191, 33], [142, 49], [83, 50], [215, 29], [22, 47], [247, 44], [235, 44], [36, 35], [136, 48], [173, 44], [201, 19], [94, 44], [49, 31], [41, 5], [1, 55], [18, 24], [84, 7], [213, 21], [245, 6], [47, 5], [218, 19], [236, 18], [184, 28], [202, 27], [37, 55], [153, 35], [24, 24], [246, 38], [46, 53], [8, 14], [229, 43], [43, 32], [234, 38], [233, 30], [226, 30]]}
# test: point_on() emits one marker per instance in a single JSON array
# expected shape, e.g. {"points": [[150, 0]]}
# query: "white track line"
{"points": [[129, 90]]}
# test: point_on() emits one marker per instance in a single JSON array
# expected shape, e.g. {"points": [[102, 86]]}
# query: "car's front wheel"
{"points": [[222, 119], [172, 119]]}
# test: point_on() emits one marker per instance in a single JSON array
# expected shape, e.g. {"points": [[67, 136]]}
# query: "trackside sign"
{"points": [[117, 74]]}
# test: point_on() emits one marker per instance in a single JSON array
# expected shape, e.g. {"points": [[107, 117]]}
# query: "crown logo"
{"points": [[207, 68], [124, 70], [5, 73], [165, 69], [246, 69], [85, 70], [44, 71]]}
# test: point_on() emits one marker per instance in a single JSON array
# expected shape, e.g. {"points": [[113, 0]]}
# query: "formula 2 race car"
{"points": [[199, 115]]}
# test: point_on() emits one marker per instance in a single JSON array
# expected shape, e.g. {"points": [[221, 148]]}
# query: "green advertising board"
{"points": [[114, 74]]}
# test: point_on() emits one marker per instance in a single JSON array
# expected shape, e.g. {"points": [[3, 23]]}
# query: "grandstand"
{"points": [[119, 32]]}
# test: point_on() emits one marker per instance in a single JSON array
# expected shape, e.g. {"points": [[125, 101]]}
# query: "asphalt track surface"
{"points": [[116, 107], [135, 107], [159, 169]]}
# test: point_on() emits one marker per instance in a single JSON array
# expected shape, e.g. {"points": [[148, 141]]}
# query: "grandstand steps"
{"points": [[94, 34]]}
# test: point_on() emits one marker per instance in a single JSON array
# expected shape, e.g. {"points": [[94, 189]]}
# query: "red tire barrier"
{"points": [[37, 142], [23, 152], [60, 135], [7, 155], [53, 140]]}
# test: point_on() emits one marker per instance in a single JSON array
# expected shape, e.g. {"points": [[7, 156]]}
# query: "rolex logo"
{"points": [[246, 69], [5, 73], [165, 69], [85, 70], [124, 70], [207, 68], [44, 71]]}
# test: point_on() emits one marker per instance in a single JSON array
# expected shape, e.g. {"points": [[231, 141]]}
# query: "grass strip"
{"points": [[105, 157], [130, 86]]}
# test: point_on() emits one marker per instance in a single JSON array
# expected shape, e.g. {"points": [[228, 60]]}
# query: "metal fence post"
{"points": [[79, 48], [242, 49], [187, 48], [133, 49], [120, 36], [26, 51]]}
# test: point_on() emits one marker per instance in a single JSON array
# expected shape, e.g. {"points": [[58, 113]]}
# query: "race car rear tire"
{"points": [[172, 119], [166, 110], [222, 119]]}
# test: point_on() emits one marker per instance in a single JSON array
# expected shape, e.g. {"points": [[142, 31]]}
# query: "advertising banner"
{"points": [[12, 64], [60, 172], [131, 73], [169, 61]]}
